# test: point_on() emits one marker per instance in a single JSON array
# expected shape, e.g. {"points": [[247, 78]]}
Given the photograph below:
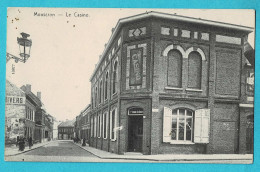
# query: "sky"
{"points": [[65, 49]]}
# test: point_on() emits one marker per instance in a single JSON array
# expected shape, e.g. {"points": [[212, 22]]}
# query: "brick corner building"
{"points": [[173, 84]]}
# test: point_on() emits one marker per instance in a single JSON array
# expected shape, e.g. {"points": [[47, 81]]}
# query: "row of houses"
{"points": [[26, 116], [172, 84]]}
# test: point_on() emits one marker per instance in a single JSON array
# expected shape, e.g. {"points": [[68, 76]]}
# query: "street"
{"points": [[67, 151], [55, 151]]}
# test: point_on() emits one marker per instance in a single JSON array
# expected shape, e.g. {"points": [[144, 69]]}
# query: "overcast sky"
{"points": [[65, 49]]}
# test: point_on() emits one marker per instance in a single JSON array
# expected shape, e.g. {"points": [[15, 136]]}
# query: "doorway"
{"points": [[250, 134], [135, 133]]}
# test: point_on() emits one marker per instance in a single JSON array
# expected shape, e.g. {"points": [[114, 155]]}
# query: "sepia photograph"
{"points": [[130, 85]]}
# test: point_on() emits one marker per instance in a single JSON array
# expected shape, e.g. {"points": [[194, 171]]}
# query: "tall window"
{"points": [[113, 125], [174, 77], [99, 125], [96, 97], [182, 125], [115, 77], [92, 126], [95, 126], [194, 70], [105, 125], [100, 92], [106, 85]]}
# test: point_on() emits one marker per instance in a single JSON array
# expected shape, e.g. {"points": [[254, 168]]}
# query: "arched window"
{"points": [[194, 70], [174, 77], [100, 92], [96, 97], [115, 78], [182, 125], [106, 85]]}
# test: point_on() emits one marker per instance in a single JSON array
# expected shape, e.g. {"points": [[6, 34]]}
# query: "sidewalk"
{"points": [[166, 157], [11, 151]]}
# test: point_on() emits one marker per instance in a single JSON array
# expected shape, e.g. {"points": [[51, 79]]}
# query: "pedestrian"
{"points": [[21, 143], [84, 142], [17, 140], [30, 142]]}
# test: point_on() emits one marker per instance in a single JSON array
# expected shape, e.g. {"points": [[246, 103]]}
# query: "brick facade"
{"points": [[140, 62]]}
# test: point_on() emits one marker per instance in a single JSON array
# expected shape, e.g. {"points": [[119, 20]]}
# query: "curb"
{"points": [[26, 150], [88, 151], [160, 160]]}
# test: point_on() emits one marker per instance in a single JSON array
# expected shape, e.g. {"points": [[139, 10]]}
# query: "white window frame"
{"points": [[115, 80], [105, 119], [99, 125], [95, 126], [106, 90], [113, 127], [177, 133]]}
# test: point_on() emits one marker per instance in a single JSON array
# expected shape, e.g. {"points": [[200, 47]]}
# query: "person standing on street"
{"points": [[30, 142]]}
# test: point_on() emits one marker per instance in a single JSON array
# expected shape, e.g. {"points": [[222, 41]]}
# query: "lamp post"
{"points": [[24, 47]]}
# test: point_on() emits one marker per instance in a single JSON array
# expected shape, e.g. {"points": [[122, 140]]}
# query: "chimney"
{"points": [[28, 87], [39, 95]]}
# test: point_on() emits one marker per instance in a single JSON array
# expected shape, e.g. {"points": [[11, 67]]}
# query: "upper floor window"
{"points": [[106, 86], [174, 77], [194, 70], [96, 96], [115, 75], [100, 92]]}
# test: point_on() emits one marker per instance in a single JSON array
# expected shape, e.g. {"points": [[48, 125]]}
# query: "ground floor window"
{"points": [[186, 126], [182, 125], [113, 125], [105, 125]]}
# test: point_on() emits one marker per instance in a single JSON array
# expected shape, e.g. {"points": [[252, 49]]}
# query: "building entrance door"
{"points": [[250, 134], [135, 133]]}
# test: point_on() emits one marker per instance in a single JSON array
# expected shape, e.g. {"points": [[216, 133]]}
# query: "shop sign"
{"points": [[135, 111], [15, 100]]}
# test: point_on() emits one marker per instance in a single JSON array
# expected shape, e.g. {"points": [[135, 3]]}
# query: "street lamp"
{"points": [[24, 47]]}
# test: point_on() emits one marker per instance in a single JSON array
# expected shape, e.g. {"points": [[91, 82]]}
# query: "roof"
{"points": [[13, 90], [172, 17], [69, 123], [250, 54], [32, 96]]}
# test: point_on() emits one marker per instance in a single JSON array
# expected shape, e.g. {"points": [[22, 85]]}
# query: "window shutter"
{"points": [[167, 122], [202, 126]]}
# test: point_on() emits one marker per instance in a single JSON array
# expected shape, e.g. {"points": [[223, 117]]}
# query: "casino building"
{"points": [[172, 84]]}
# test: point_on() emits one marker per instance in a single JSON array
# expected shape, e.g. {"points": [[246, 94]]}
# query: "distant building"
{"points": [[82, 124], [55, 129], [66, 130], [173, 84]]}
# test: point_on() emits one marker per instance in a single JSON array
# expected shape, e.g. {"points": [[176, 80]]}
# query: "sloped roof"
{"points": [[250, 54], [69, 123], [32, 96], [13, 90]]}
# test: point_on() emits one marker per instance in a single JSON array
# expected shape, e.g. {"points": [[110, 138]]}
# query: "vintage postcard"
{"points": [[130, 85]]}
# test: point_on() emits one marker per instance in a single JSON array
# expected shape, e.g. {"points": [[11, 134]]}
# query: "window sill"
{"points": [[173, 88], [182, 143], [113, 140], [192, 89]]}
